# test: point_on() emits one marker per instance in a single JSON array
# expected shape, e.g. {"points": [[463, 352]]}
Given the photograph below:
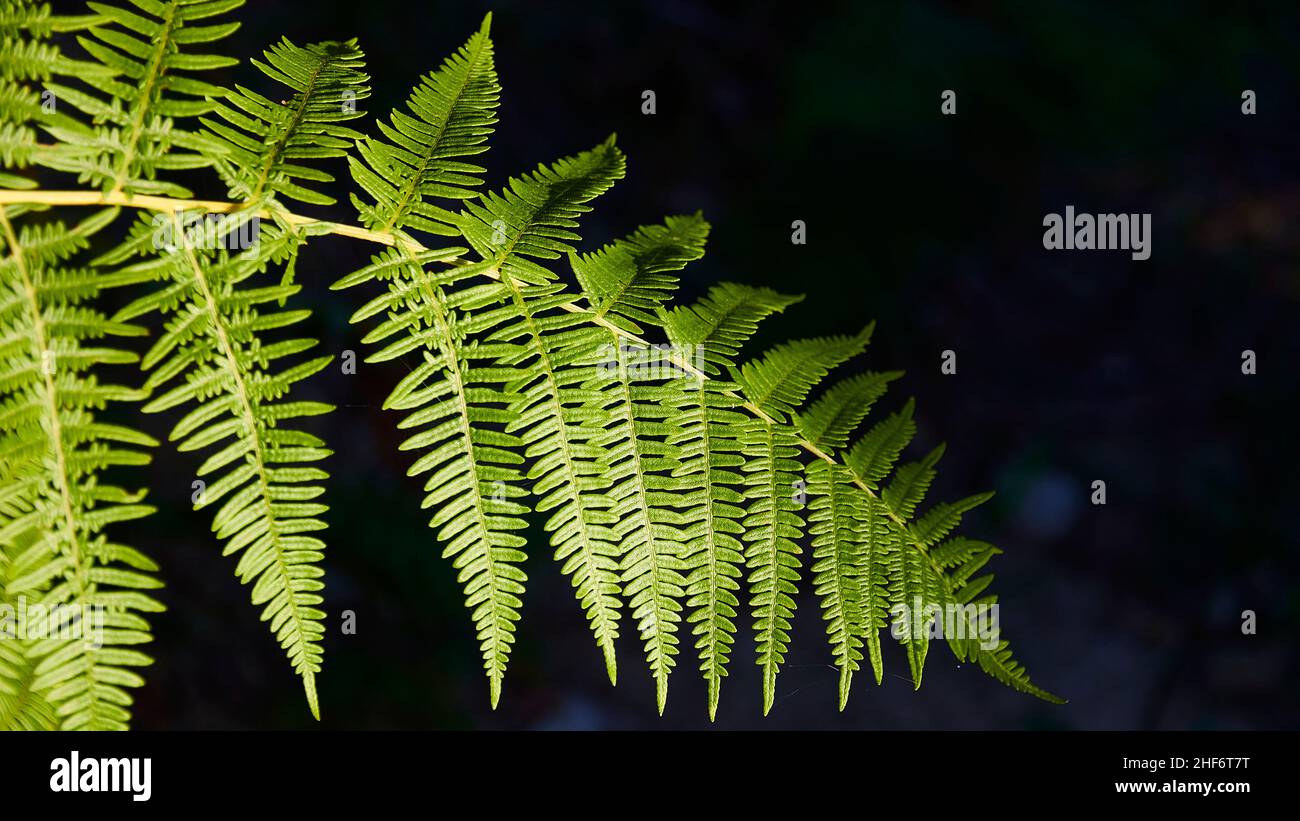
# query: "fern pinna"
{"points": [[679, 484]]}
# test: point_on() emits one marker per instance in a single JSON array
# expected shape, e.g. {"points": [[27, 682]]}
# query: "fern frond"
{"points": [[776, 384], [28, 59], [555, 414], [452, 113], [662, 485], [150, 85], [264, 142], [453, 397], [212, 359], [709, 437], [498, 355], [56, 502], [836, 516], [829, 422], [631, 278]]}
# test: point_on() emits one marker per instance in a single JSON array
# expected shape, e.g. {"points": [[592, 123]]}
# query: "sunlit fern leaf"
{"points": [[912, 591], [910, 484], [709, 434], [943, 518], [830, 421], [629, 278], [980, 636], [720, 323], [452, 113], [502, 375], [534, 216], [554, 412], [779, 382], [654, 482], [212, 359], [57, 501], [919, 587], [878, 540], [835, 521], [873, 456], [26, 52], [913, 596], [28, 59], [264, 142], [133, 132], [456, 409], [773, 525], [627, 281], [776, 384], [959, 551]]}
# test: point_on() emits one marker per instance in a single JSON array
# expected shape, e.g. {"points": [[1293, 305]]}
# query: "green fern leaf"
{"points": [[776, 384], [829, 422], [628, 281], [632, 278], [149, 85], [835, 521], [453, 404], [454, 110], [213, 360], [554, 414], [709, 436], [262, 143], [56, 504]]}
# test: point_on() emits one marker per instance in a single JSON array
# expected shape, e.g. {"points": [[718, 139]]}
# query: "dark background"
{"points": [[1072, 366]]}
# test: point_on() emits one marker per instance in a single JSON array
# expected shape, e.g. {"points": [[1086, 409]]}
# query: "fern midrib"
{"points": [[152, 73], [171, 205], [604, 628], [41, 338], [462, 411], [409, 191], [250, 421]]}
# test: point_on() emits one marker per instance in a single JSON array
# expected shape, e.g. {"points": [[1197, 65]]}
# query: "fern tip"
{"points": [[309, 684], [611, 665]]}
